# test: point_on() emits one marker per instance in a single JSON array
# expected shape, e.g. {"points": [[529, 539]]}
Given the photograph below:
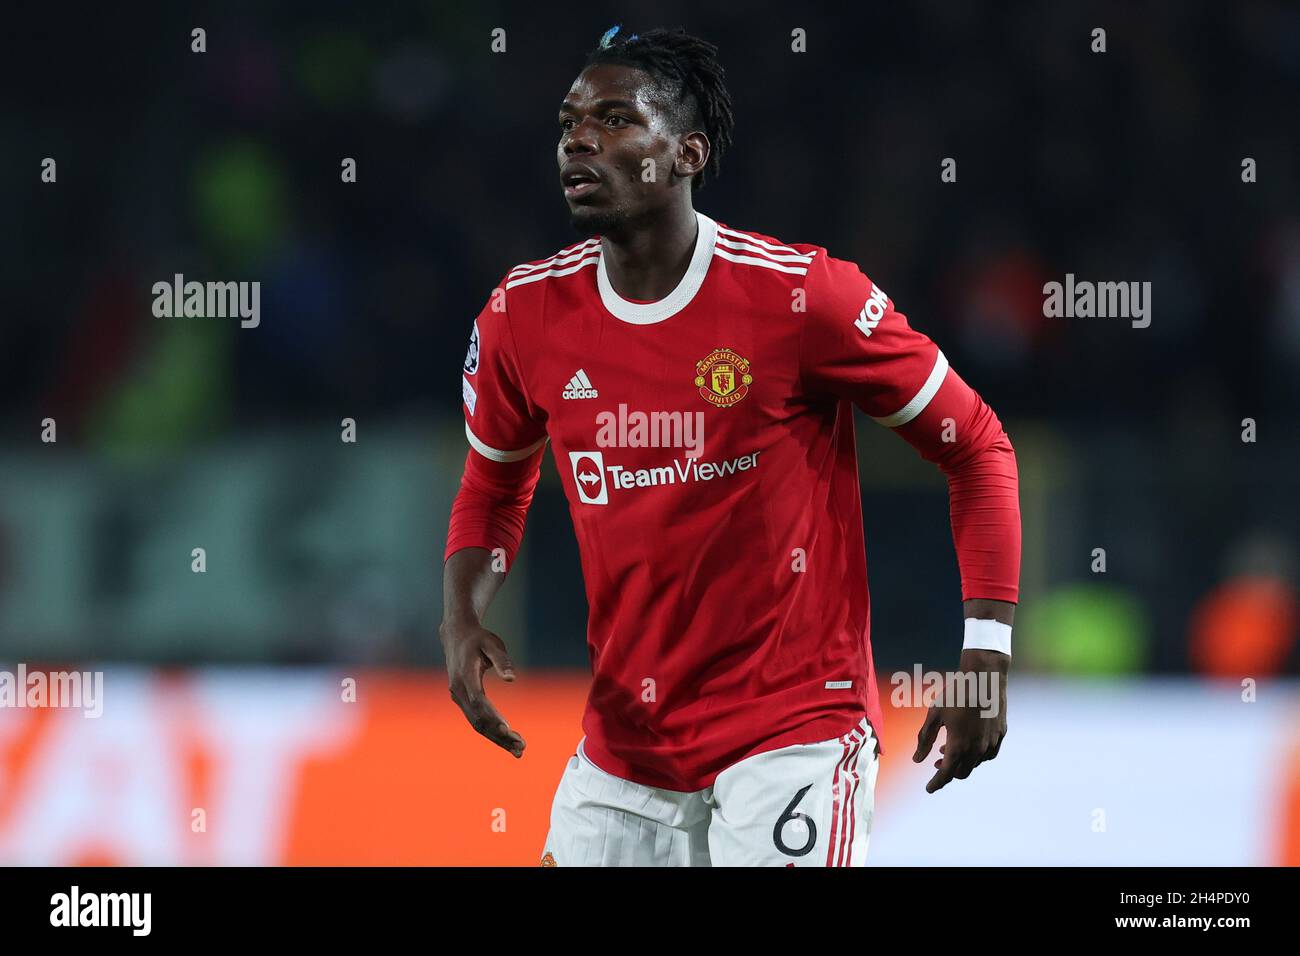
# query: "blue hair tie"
{"points": [[608, 36]]}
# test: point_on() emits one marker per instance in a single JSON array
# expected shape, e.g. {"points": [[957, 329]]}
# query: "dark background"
{"points": [[225, 165]]}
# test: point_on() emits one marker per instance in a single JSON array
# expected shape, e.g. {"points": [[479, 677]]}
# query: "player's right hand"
{"points": [[471, 651]]}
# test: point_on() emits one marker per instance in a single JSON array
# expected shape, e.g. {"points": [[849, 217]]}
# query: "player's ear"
{"points": [[692, 154]]}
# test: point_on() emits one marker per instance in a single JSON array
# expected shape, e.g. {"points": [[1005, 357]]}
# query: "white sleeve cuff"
{"points": [[916, 406], [496, 454], [982, 635]]}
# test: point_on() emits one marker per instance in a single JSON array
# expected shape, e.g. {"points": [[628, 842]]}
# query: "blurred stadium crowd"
{"points": [[225, 165]]}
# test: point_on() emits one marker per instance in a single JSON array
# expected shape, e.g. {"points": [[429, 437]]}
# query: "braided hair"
{"points": [[690, 79]]}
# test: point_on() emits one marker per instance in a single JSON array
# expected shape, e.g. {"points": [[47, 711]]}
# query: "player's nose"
{"points": [[580, 139]]}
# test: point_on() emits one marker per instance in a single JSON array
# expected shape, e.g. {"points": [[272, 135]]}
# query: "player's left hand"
{"points": [[972, 737]]}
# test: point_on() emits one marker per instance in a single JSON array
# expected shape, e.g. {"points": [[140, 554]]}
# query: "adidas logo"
{"points": [[579, 387]]}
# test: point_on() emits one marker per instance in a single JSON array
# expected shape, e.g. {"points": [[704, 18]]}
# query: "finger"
{"points": [[466, 673], [487, 720], [997, 745], [992, 744], [467, 691], [965, 767], [945, 774], [494, 649], [928, 732], [974, 758]]}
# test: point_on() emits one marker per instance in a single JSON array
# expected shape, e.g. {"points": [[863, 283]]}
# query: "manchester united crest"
{"points": [[723, 378]]}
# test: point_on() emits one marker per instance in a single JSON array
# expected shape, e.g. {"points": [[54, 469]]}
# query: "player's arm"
{"points": [[487, 525], [470, 649], [959, 433], [857, 346], [487, 518]]}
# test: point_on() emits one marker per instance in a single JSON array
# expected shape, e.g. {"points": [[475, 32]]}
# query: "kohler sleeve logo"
{"points": [[873, 311]]}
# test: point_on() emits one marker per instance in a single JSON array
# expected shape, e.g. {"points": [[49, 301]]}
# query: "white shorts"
{"points": [[802, 805]]}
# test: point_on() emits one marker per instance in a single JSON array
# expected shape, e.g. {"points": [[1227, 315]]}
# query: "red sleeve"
{"points": [[506, 434], [500, 421], [959, 432], [492, 504], [855, 345]]}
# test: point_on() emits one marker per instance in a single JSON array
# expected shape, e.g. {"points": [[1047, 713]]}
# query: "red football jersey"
{"points": [[705, 443]]}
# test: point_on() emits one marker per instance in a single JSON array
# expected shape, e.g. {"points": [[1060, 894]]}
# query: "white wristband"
{"points": [[985, 635]]}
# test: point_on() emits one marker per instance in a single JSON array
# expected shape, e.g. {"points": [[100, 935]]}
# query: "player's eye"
{"points": [[617, 120]]}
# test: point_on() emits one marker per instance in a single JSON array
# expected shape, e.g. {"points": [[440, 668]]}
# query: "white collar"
{"points": [[648, 313]]}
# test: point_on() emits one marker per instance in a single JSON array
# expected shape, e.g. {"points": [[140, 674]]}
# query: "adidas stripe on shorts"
{"points": [[802, 805]]}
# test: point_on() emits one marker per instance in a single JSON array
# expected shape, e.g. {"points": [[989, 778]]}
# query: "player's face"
{"points": [[610, 127]]}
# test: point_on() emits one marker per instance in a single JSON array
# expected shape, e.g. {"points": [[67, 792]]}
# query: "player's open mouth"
{"points": [[579, 189]]}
